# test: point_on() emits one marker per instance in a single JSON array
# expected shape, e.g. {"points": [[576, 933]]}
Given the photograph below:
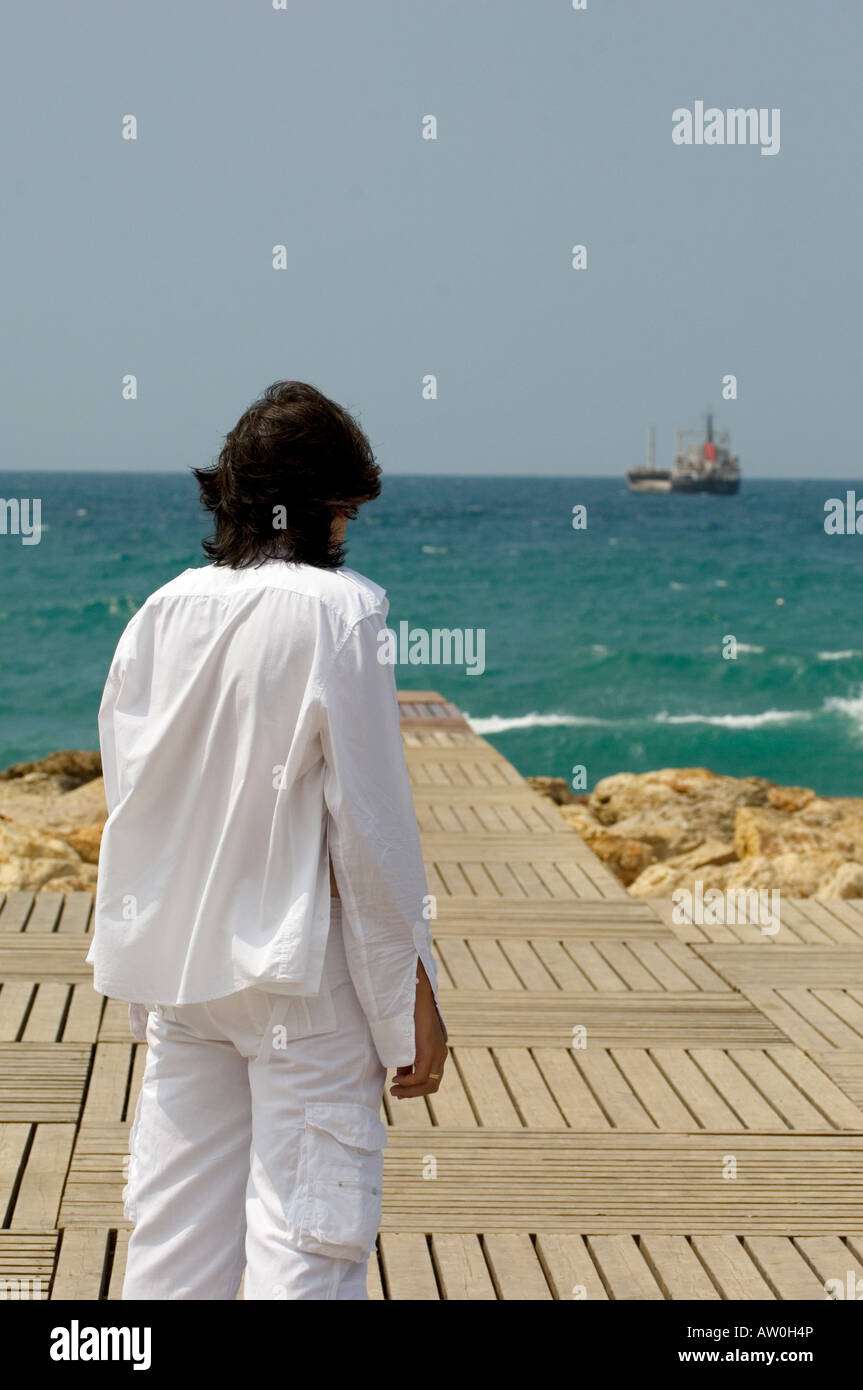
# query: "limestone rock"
{"points": [[29, 842], [85, 806], [37, 799], [794, 875], [79, 764], [676, 809], [71, 766], [626, 858], [789, 798], [711, 852], [760, 830], [82, 881], [557, 789], [85, 840], [663, 830], [51, 816], [846, 882]]}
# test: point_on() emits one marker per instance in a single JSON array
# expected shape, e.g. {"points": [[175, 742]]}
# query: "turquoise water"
{"points": [[603, 646]]}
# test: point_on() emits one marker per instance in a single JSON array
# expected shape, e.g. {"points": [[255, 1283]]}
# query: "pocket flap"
{"points": [[355, 1125]]}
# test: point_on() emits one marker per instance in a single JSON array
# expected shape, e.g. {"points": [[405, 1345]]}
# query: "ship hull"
{"points": [[648, 480], [723, 487], [726, 487]]}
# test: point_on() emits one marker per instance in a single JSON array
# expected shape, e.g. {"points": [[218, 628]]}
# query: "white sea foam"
{"points": [[838, 656], [745, 647], [735, 721], [500, 724], [852, 708]]}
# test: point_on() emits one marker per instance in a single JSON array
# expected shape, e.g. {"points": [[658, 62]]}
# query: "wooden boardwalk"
{"points": [[632, 1109]]}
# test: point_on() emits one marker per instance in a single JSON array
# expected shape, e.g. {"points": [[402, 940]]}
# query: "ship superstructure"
{"points": [[705, 464]]}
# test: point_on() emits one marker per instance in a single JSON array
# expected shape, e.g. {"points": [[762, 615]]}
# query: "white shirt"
{"points": [[248, 731]]}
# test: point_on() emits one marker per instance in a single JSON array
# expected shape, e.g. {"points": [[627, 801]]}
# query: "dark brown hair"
{"points": [[293, 449]]}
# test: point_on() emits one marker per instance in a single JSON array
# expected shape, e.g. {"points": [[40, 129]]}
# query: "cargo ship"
{"points": [[707, 465], [649, 478]]}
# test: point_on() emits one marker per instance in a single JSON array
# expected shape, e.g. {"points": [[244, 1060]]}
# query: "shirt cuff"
{"points": [[394, 1039]]}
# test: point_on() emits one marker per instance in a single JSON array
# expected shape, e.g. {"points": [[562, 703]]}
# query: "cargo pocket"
{"points": [[339, 1192]]}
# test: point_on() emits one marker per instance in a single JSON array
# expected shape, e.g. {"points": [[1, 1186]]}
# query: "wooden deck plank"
{"points": [[623, 1108], [47, 1012], [832, 1259], [526, 1085], [625, 1272], [15, 910], [516, 1270], [730, 1267], [696, 1090], [656, 1096], [573, 1095], [407, 1266], [42, 1083], [109, 1083], [783, 1267], [569, 1270], [461, 1268], [677, 1269], [27, 1264], [16, 996], [45, 913], [37, 1204], [510, 1018], [489, 1098], [118, 1266], [81, 1264], [743, 1098]]}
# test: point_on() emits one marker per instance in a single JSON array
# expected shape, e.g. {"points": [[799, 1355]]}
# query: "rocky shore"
{"points": [[659, 831], [51, 818], [656, 831]]}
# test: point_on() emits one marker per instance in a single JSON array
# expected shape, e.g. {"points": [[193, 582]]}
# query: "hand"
{"points": [[431, 1050]]}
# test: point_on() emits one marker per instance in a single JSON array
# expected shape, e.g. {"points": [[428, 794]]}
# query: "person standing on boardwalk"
{"points": [[261, 883]]}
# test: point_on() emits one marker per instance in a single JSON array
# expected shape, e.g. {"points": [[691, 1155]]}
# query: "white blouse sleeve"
{"points": [[374, 839]]}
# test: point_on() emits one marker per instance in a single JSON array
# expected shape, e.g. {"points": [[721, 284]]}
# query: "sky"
{"points": [[408, 257]]}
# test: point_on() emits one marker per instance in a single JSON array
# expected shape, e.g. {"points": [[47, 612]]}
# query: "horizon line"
{"points": [[440, 477]]}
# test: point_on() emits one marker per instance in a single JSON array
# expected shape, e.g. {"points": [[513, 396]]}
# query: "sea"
{"points": [[603, 631]]}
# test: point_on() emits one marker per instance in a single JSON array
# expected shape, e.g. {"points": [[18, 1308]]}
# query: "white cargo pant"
{"points": [[257, 1142]]}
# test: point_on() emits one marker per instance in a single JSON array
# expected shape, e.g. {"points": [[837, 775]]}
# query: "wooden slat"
{"points": [[515, 1268], [676, 1268], [569, 1270], [783, 1267], [42, 1083], [81, 1265], [510, 1018], [624, 1269], [407, 1266], [461, 1268], [37, 1203], [27, 1264]]}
